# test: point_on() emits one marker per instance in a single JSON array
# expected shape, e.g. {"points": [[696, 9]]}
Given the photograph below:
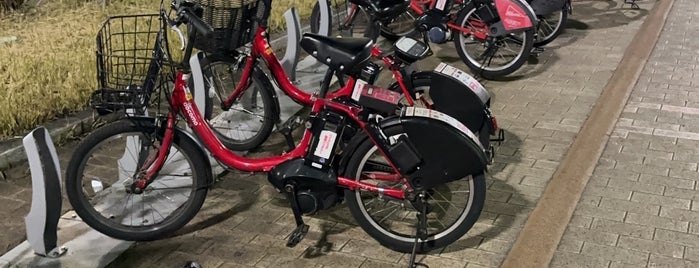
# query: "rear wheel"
{"points": [[346, 19], [495, 56], [101, 172], [358, 22], [455, 206], [403, 25], [550, 26]]}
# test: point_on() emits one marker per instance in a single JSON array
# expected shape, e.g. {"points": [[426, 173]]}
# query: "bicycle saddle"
{"points": [[340, 54], [384, 10]]}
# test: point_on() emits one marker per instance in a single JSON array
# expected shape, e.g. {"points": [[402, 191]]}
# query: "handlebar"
{"points": [[195, 21]]}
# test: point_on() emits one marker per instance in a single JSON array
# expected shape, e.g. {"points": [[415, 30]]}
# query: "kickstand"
{"points": [[301, 229], [420, 232]]}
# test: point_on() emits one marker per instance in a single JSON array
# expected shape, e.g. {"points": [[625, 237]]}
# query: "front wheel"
{"points": [[496, 56], [454, 206], [101, 172]]}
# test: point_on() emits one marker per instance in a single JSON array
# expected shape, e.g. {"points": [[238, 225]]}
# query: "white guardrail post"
{"points": [[42, 220]]}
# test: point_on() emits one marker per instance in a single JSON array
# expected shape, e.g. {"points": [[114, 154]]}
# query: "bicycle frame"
{"points": [[182, 101], [261, 49]]}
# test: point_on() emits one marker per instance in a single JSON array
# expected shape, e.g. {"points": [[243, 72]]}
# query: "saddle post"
{"points": [[325, 83]]}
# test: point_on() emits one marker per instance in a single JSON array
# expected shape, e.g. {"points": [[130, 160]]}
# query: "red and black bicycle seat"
{"points": [[340, 54]]}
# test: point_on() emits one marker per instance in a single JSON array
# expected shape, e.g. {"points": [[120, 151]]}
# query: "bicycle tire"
{"points": [[545, 33], [230, 126], [357, 27], [403, 242], [403, 25], [87, 185], [483, 66]]}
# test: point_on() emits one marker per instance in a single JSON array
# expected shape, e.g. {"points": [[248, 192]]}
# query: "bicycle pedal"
{"points": [[297, 235]]}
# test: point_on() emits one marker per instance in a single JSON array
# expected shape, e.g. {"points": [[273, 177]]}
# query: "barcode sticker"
{"points": [[422, 112], [357, 91], [325, 144], [462, 77]]}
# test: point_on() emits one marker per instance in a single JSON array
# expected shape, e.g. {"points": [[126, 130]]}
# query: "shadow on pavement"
{"points": [[500, 213]]}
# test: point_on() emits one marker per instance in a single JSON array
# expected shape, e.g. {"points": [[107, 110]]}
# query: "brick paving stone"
{"points": [[613, 253], [681, 238], [691, 253], [667, 182], [380, 264], [661, 200], [621, 228], [629, 206], [599, 213], [652, 246], [662, 261], [471, 255], [657, 222], [567, 259], [371, 250], [590, 235]]}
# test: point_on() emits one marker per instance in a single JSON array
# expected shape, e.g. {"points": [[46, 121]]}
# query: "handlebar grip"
{"points": [[199, 25]]}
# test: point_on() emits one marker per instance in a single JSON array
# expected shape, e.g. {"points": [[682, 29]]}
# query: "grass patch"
{"points": [[49, 71]]}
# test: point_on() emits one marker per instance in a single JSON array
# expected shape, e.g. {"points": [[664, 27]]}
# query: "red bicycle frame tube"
{"points": [[155, 163], [183, 101], [261, 49]]}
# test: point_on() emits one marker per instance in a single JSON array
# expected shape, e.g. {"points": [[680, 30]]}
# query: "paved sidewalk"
{"points": [[639, 209], [244, 222]]}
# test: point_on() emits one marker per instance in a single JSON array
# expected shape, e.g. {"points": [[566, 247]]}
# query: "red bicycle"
{"points": [[493, 37], [421, 165]]}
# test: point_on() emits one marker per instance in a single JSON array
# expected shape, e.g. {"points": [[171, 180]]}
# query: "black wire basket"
{"points": [[130, 59], [233, 23]]}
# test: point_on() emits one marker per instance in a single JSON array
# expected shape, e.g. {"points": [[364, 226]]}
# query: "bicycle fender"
{"points": [[458, 94], [447, 149], [515, 16], [547, 7], [273, 93], [179, 134]]}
